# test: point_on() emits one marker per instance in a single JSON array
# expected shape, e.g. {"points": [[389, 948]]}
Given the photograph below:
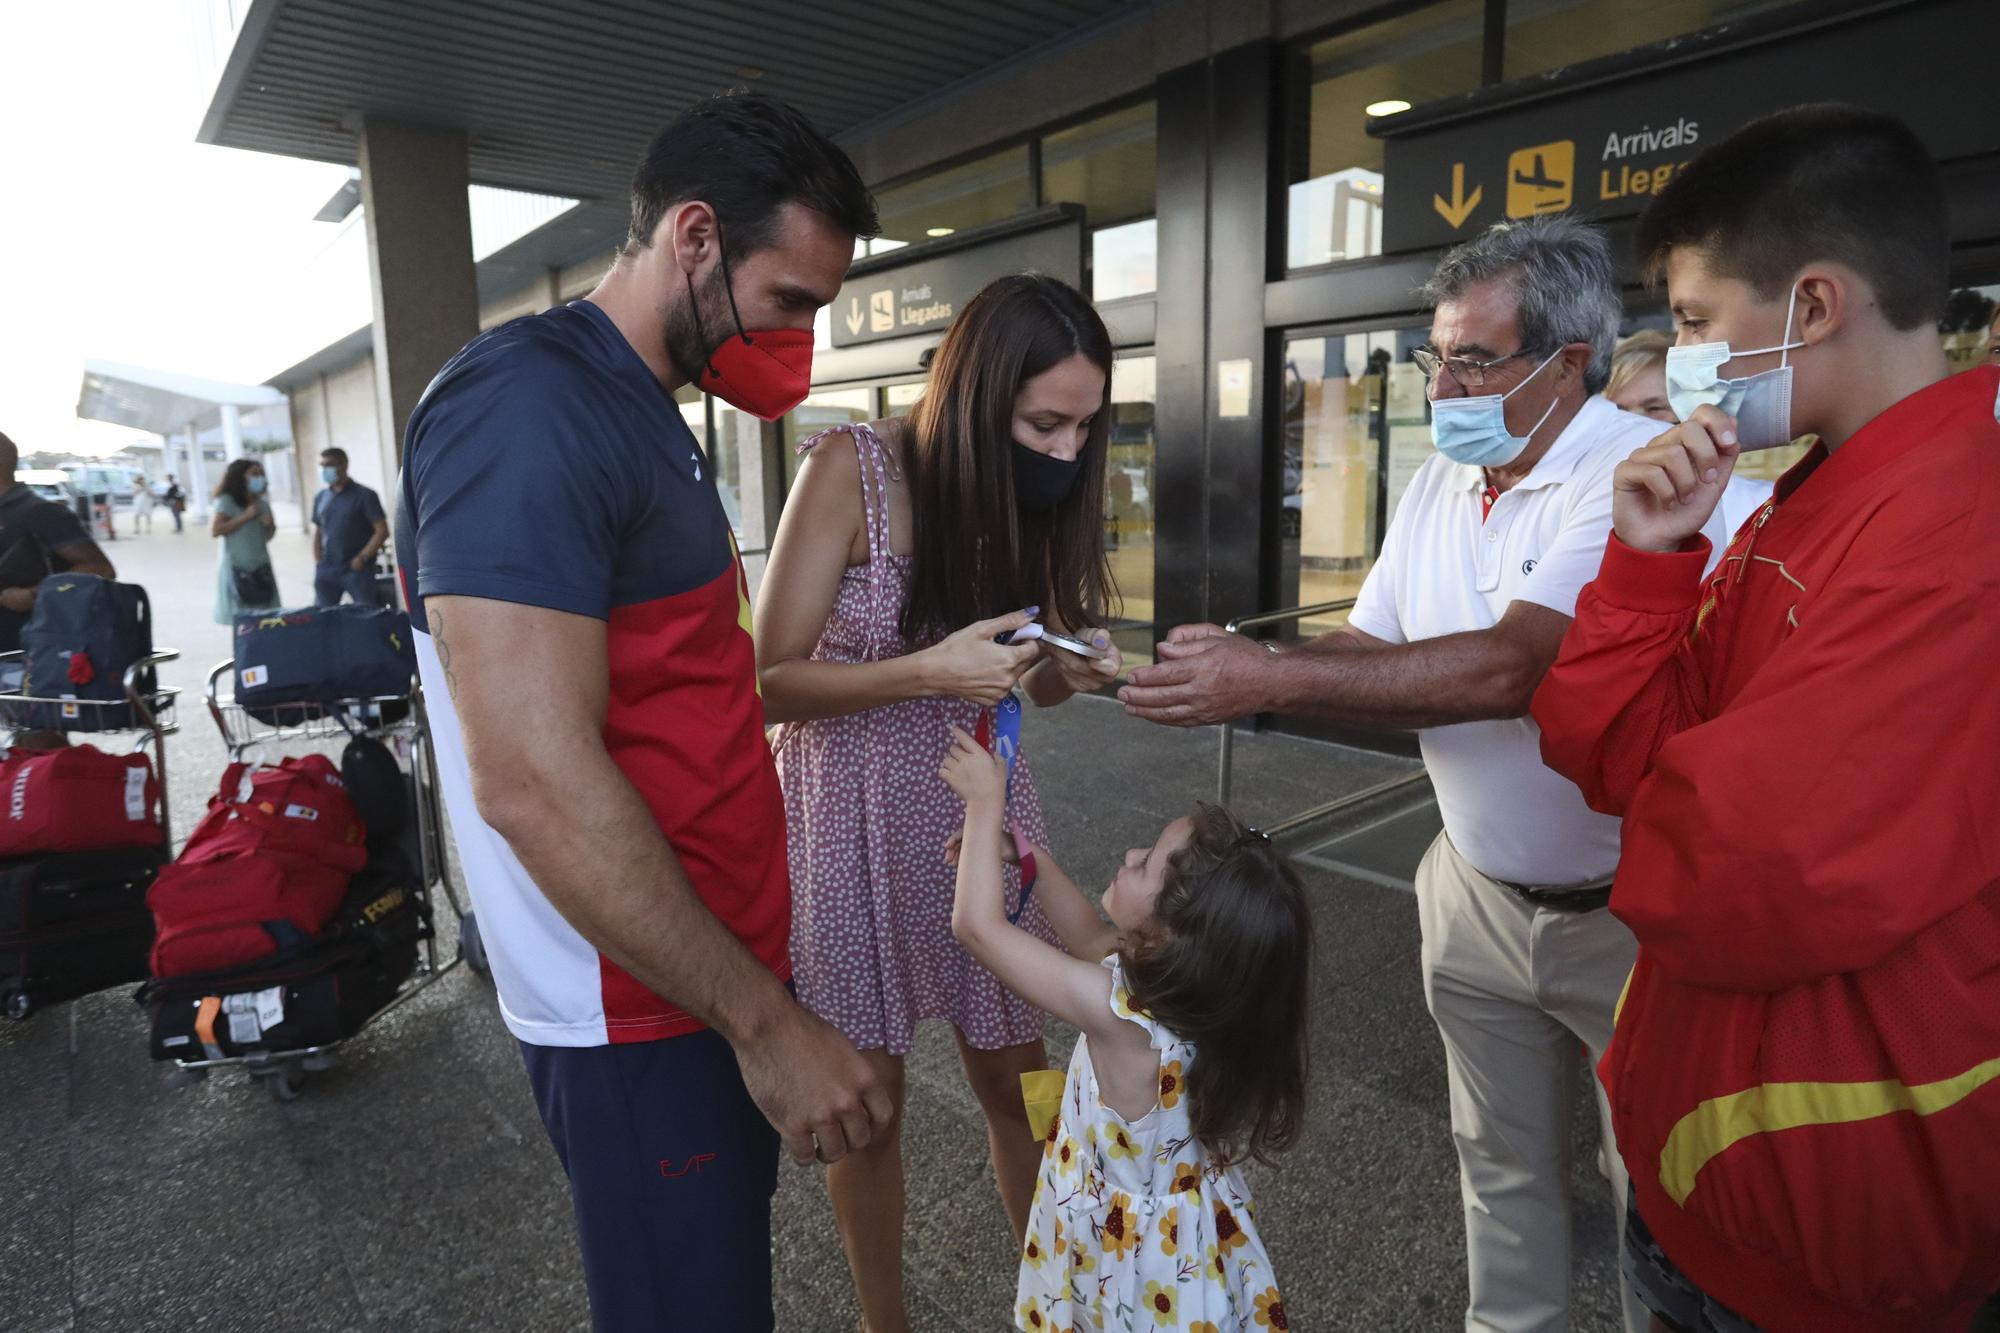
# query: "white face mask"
{"points": [[1761, 404]]}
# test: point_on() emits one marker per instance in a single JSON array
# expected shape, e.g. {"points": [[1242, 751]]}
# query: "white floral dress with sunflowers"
{"points": [[1134, 1226]]}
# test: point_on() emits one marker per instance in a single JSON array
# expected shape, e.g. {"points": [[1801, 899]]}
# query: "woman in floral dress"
{"points": [[906, 546]]}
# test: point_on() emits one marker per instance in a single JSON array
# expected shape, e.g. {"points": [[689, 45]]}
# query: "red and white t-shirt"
{"points": [[546, 466]]}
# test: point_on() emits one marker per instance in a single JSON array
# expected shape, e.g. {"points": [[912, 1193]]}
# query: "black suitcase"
{"points": [[323, 992], [82, 616], [73, 923]]}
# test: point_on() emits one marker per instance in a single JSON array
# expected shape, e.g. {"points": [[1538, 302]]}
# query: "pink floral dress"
{"points": [[868, 820]]}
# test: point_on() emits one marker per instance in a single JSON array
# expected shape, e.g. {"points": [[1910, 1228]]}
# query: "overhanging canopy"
{"points": [[158, 400], [561, 98]]}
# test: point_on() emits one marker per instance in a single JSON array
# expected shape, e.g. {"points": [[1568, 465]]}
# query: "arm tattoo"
{"points": [[443, 652]]}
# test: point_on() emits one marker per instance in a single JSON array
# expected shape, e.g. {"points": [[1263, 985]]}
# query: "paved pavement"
{"points": [[411, 1188]]}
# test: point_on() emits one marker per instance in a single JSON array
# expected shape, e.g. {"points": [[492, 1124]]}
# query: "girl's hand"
{"points": [[1085, 675], [956, 841], [979, 778], [969, 665]]}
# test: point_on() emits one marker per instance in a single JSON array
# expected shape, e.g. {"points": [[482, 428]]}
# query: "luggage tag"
{"points": [[135, 794], [244, 1027], [1000, 732]]}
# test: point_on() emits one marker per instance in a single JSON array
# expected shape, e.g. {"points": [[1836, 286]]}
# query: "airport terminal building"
{"points": [[1251, 192]]}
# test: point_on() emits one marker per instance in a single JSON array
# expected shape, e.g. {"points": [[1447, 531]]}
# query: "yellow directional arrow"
{"points": [[1461, 205]]}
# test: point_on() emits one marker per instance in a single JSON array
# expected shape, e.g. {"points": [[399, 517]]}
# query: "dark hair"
{"points": [[10, 455], [1820, 182], [1230, 972], [235, 481], [977, 555], [338, 455], [745, 155]]}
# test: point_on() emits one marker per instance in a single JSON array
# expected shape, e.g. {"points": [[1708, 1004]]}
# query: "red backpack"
{"points": [[262, 873], [77, 799]]}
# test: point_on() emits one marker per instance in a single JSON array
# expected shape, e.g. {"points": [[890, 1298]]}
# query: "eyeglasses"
{"points": [[1469, 373]]}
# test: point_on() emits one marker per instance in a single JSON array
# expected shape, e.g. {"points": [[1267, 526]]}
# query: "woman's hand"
{"points": [[979, 778], [1084, 675], [969, 665]]}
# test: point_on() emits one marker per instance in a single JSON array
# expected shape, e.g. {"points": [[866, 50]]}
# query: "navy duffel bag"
{"points": [[83, 635], [291, 664]]}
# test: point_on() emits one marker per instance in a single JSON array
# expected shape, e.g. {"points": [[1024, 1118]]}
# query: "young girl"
{"points": [[1193, 1057]]}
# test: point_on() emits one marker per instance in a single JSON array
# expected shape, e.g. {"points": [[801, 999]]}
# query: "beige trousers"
{"points": [[1514, 989]]}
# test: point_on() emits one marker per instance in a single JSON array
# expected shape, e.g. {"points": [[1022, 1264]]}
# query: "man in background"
{"points": [[37, 538], [349, 529]]}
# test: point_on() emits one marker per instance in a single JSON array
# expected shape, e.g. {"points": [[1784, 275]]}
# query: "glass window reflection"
{"points": [[1335, 208], [1129, 499], [1356, 429]]}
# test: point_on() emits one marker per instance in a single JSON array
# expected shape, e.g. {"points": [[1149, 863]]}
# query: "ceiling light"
{"points": [[939, 231], [1391, 107]]}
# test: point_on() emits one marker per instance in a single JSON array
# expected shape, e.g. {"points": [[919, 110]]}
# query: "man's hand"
{"points": [[1665, 491], [1201, 679], [815, 1089], [18, 600], [358, 563], [1189, 633]]}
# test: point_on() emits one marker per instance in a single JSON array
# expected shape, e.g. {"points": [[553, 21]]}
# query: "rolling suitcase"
{"points": [[312, 996], [73, 923]]}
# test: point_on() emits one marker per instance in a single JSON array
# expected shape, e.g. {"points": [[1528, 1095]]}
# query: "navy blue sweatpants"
{"points": [[671, 1168]]}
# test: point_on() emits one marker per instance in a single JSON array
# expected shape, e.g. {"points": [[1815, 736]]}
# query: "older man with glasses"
{"points": [[1462, 614]]}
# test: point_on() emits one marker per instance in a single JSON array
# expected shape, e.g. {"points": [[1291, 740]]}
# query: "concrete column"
{"points": [[195, 484], [413, 184], [232, 432]]}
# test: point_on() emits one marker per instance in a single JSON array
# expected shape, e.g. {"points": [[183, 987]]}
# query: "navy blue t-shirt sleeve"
{"points": [[371, 506], [56, 525], [513, 494]]}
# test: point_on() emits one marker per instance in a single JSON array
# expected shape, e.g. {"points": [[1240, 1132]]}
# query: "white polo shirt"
{"points": [[1444, 571]]}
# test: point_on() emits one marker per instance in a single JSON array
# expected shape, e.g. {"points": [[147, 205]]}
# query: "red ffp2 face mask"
{"points": [[767, 373]]}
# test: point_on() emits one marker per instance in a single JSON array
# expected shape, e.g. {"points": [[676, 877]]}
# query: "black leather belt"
{"points": [[1582, 898]]}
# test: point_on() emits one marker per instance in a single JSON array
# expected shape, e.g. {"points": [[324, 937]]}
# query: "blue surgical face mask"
{"points": [[1761, 404], [329, 475], [257, 485], [1474, 431]]}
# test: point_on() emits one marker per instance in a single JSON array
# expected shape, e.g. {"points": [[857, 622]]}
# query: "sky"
{"points": [[122, 239]]}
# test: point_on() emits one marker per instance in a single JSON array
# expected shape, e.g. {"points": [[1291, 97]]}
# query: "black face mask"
{"points": [[1042, 481]]}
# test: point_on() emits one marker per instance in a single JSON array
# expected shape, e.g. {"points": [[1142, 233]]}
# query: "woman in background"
{"points": [[244, 579]]}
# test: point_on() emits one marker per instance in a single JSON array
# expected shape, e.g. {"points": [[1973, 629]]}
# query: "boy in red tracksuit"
{"points": [[1805, 747]]}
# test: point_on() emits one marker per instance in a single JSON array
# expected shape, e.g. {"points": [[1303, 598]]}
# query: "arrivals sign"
{"points": [[921, 289], [1603, 151]]}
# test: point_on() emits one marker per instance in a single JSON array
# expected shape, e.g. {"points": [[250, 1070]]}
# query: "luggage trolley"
{"points": [[149, 721], [398, 721]]}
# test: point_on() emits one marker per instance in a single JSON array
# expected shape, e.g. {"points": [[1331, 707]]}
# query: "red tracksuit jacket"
{"points": [[1805, 747]]}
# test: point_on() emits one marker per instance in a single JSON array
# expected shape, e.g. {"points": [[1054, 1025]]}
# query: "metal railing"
{"points": [[1226, 758]]}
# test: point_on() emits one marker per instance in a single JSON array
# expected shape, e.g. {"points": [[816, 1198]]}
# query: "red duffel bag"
{"points": [[237, 907], [78, 799], [298, 805]]}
